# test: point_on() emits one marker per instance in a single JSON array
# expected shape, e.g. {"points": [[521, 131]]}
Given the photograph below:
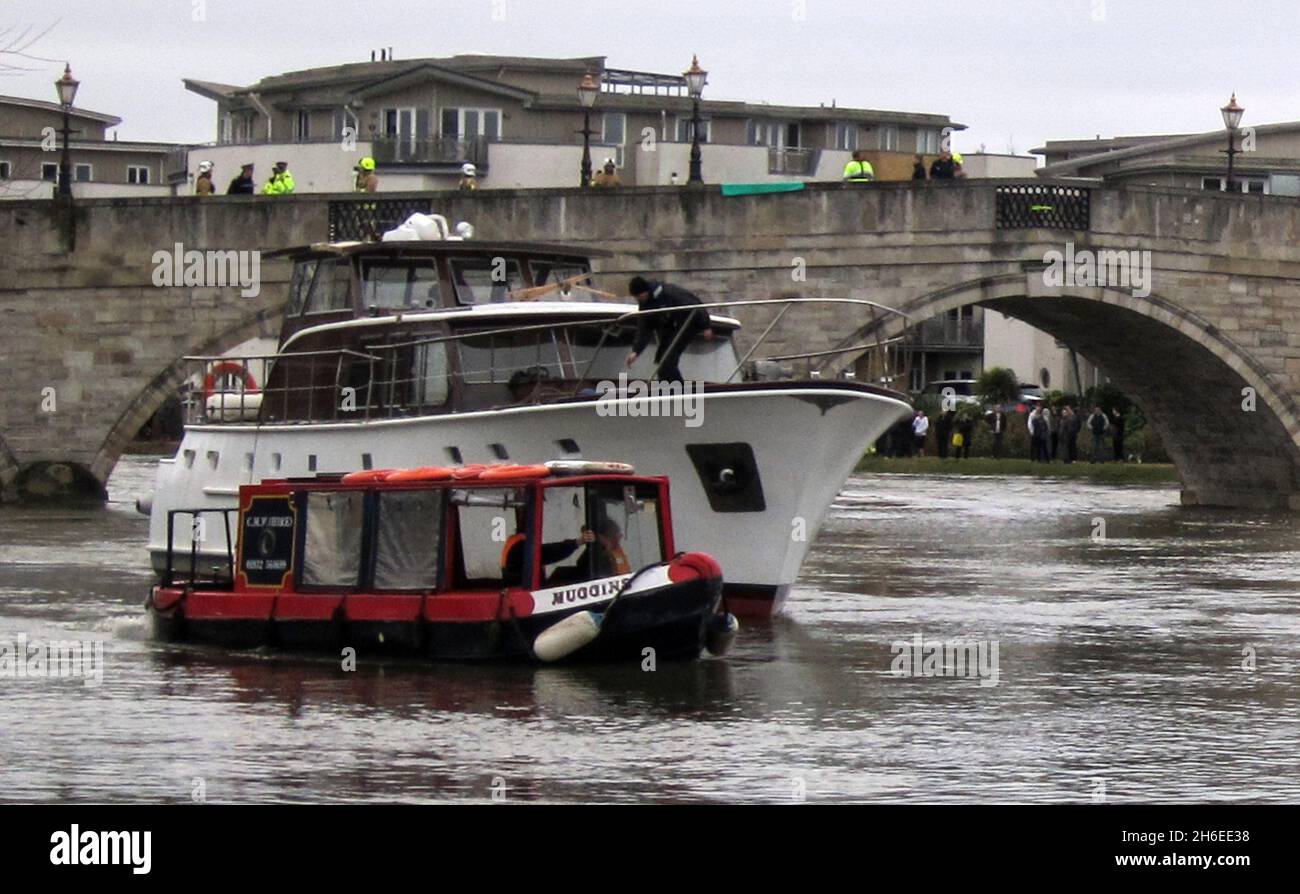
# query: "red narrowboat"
{"points": [[567, 560]]}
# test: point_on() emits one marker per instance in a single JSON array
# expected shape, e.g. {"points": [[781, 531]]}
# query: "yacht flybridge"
{"points": [[449, 352]]}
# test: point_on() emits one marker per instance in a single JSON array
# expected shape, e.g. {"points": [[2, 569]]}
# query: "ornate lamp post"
{"points": [[67, 87], [696, 78], [587, 90], [1232, 120]]}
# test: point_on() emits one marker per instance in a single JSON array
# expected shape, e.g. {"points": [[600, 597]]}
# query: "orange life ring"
{"points": [[423, 473], [227, 368], [513, 473], [366, 476]]}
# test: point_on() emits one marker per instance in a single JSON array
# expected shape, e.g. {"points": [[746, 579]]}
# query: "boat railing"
{"points": [[414, 377], [199, 560]]}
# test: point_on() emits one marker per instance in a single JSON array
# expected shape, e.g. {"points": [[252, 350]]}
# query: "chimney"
{"points": [[390, 54], [372, 55]]}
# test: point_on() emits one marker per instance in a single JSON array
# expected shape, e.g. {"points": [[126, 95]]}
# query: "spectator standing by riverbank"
{"points": [[1117, 434], [1053, 433], [998, 423], [1097, 424], [1037, 435], [920, 428], [943, 432], [1070, 434]]}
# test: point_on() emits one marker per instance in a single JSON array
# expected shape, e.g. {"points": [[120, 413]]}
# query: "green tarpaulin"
{"points": [[754, 189]]}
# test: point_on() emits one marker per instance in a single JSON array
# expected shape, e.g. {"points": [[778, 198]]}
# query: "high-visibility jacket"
{"points": [[859, 171], [280, 184]]}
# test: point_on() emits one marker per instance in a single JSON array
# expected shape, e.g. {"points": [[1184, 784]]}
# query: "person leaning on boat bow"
{"points": [[674, 331]]}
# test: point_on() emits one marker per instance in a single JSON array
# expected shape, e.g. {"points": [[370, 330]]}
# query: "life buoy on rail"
{"points": [[366, 476], [513, 473], [227, 368], [423, 473], [588, 467]]}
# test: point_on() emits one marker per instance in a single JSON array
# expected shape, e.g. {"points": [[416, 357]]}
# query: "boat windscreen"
{"points": [[400, 283], [485, 280]]}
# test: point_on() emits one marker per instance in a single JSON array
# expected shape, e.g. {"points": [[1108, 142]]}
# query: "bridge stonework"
{"points": [[1222, 316]]}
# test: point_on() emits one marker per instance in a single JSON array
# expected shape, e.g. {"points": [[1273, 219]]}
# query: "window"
{"points": [[888, 137], [466, 124], [685, 130], [4, 170], [329, 288], [624, 518], [332, 547], [484, 280], [138, 174], [302, 126], [1214, 184], [82, 173], [613, 128], [927, 141], [431, 375], [525, 357], [400, 284], [300, 286], [478, 514], [545, 272], [846, 136], [765, 133], [227, 128], [408, 534], [49, 171]]}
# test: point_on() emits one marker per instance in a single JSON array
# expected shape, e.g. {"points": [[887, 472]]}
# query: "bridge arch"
{"points": [[162, 386], [1188, 376]]}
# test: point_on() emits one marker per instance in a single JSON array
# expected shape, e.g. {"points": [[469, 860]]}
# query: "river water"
{"points": [[1143, 652]]}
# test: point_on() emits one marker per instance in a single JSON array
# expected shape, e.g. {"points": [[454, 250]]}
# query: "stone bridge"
{"points": [[90, 345]]}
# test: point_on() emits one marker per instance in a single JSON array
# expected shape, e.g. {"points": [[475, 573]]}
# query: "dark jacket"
{"points": [[918, 171], [666, 325], [943, 169], [1097, 423], [241, 186]]}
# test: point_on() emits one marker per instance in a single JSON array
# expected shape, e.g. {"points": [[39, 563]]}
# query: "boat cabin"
{"points": [[400, 329]]}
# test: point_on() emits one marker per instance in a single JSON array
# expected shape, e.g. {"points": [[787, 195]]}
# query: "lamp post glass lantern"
{"points": [[587, 90], [696, 78], [67, 90], [1232, 114]]}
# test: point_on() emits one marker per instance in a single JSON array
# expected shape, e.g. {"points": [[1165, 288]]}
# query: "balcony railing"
{"points": [[946, 332], [800, 162], [430, 150]]}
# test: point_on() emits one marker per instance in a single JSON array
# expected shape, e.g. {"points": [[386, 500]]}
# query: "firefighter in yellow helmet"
{"points": [[366, 180], [859, 170]]}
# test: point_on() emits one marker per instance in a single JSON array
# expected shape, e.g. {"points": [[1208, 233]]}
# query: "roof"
{"points": [[366, 78], [439, 246], [1151, 145], [107, 120]]}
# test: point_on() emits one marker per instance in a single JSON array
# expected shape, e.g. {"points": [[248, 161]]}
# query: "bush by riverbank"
{"points": [[1117, 473]]}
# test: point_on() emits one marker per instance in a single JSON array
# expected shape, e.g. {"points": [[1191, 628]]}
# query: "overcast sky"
{"points": [[1018, 72]]}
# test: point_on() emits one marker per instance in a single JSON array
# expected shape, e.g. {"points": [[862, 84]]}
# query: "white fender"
{"points": [[568, 636]]}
